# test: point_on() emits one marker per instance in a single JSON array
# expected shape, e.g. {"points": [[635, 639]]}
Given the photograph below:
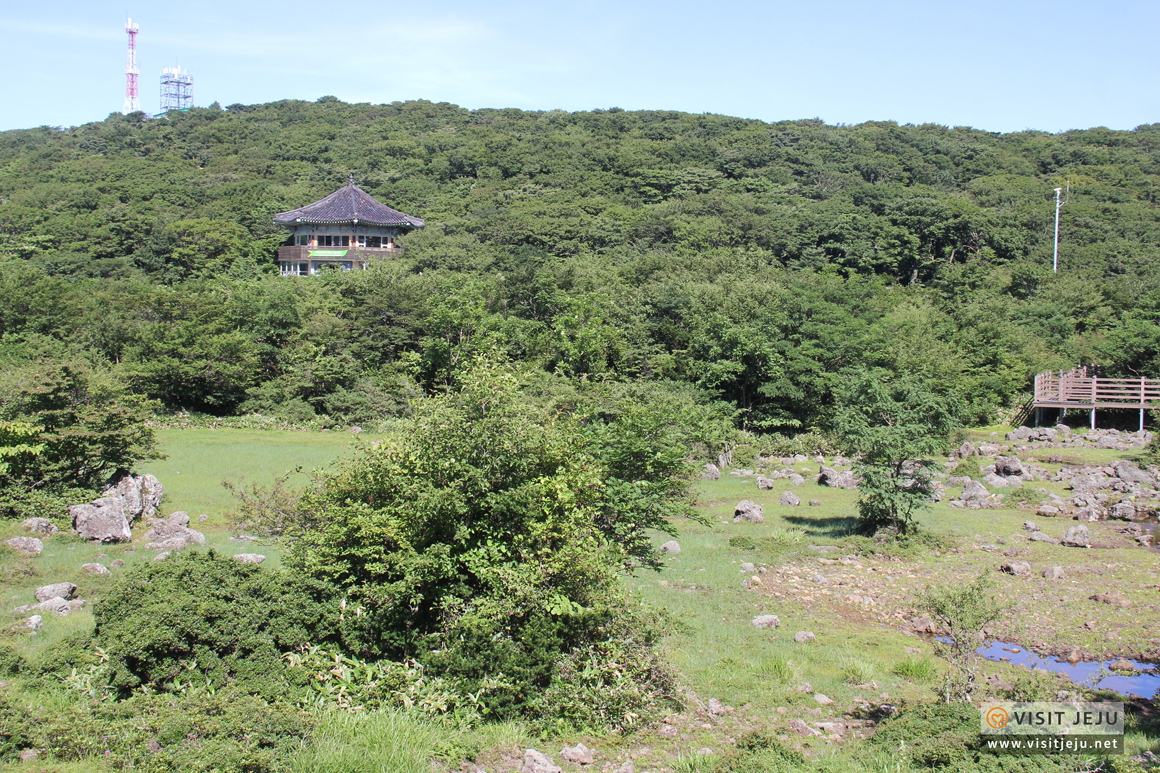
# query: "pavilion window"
{"points": [[362, 240], [376, 242], [303, 240]]}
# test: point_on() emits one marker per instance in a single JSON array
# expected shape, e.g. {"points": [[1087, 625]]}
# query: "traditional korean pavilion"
{"points": [[343, 231]]}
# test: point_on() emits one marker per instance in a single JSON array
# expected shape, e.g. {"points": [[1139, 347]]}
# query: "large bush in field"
{"points": [[202, 618], [487, 544]]}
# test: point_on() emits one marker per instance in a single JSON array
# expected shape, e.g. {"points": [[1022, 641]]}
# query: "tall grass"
{"points": [[376, 742]]}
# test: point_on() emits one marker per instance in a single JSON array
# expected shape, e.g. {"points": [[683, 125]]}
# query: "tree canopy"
{"points": [[753, 261]]}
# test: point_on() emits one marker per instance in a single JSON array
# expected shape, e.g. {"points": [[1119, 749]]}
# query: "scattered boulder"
{"points": [[823, 700], [834, 479], [140, 495], [1053, 573], [1016, 568], [974, 491], [804, 637], [117, 563], [202, 518], [355, 430], [958, 480], [1038, 536], [923, 624], [1077, 537], [766, 621], [789, 499], [796, 480], [1030, 526], [1008, 466], [748, 568], [537, 762], [34, 623], [1112, 598], [711, 472], [104, 520], [1123, 511], [26, 546], [1129, 472], [997, 481], [815, 503], [717, 708], [161, 556], [173, 533], [95, 569], [579, 754], [57, 605], [28, 755], [672, 546], [967, 449], [1048, 511], [748, 511], [1122, 665], [39, 526], [64, 590], [801, 728]]}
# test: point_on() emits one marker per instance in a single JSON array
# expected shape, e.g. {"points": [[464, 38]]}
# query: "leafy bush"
{"points": [[21, 501], [963, 612], [206, 619], [487, 544], [1022, 496], [945, 736], [200, 731], [350, 684]]}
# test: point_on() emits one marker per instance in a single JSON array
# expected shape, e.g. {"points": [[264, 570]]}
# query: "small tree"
{"points": [[893, 426], [963, 612]]}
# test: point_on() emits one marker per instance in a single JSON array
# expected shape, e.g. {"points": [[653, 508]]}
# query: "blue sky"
{"points": [[998, 66]]}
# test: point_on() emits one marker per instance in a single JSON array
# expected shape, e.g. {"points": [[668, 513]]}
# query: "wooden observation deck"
{"points": [[1076, 389]]}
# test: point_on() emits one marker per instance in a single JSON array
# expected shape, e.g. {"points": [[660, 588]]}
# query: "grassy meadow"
{"points": [[857, 598]]}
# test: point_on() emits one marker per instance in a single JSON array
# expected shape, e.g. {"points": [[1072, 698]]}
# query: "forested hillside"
{"points": [[752, 263]]}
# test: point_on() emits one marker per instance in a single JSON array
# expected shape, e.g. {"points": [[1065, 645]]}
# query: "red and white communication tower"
{"points": [[132, 100]]}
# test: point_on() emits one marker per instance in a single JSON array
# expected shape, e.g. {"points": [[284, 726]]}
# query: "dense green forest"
{"points": [[750, 264]]}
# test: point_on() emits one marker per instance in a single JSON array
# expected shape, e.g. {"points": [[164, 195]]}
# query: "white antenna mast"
{"points": [[1058, 204]]}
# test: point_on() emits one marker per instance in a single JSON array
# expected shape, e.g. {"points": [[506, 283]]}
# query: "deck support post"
{"points": [[1141, 419], [1093, 418]]}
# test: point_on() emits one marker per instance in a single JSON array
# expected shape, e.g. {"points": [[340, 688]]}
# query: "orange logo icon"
{"points": [[997, 717]]}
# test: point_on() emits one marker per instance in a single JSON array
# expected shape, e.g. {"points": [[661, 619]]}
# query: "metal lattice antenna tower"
{"points": [[132, 99], [176, 89]]}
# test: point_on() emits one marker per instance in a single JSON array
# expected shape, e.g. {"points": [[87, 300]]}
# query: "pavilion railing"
{"points": [[1077, 389]]}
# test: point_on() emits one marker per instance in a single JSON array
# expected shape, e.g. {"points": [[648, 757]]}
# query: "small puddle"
{"points": [[1146, 685]]}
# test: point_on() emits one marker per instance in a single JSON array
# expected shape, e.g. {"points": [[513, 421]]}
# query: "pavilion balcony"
{"points": [[297, 253]]}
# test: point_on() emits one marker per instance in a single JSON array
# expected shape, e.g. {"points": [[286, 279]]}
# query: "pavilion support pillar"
{"points": [[1093, 418], [1141, 419]]}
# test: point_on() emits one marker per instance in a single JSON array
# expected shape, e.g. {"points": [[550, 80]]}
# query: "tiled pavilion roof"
{"points": [[349, 204]]}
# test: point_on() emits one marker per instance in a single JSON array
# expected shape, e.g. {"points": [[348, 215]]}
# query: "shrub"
{"points": [[199, 731], [207, 619], [945, 736], [488, 543], [964, 611]]}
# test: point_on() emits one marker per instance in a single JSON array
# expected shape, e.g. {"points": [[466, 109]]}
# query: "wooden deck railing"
{"points": [[1076, 389]]}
